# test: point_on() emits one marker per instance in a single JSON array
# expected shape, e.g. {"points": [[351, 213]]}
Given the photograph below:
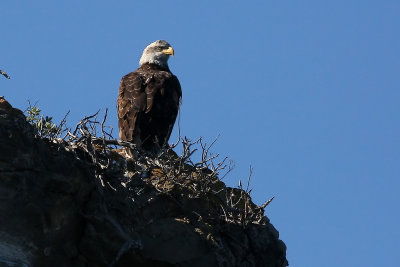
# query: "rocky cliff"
{"points": [[58, 208]]}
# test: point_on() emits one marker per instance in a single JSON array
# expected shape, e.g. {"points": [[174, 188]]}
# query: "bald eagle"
{"points": [[149, 99]]}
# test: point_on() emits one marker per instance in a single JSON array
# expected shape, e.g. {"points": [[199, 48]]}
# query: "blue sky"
{"points": [[307, 92]]}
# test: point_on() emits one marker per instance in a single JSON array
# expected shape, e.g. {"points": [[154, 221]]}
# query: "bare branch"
{"points": [[267, 203], [4, 74]]}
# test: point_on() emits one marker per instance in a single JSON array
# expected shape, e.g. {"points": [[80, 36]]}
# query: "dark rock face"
{"points": [[55, 212]]}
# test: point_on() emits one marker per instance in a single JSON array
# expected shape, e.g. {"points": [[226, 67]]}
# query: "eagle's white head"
{"points": [[157, 53]]}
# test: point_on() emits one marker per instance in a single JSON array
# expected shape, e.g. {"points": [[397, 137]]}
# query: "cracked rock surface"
{"points": [[54, 212]]}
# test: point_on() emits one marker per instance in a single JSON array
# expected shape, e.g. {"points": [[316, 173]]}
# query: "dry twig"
{"points": [[4, 74]]}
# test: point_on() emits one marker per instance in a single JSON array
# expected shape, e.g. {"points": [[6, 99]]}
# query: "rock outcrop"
{"points": [[54, 211]]}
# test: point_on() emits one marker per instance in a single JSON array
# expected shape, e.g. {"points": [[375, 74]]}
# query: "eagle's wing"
{"points": [[131, 101], [173, 85]]}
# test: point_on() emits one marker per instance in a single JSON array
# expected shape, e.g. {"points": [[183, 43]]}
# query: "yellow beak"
{"points": [[168, 51]]}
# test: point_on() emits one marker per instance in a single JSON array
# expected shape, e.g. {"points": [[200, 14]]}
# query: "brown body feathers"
{"points": [[148, 103]]}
